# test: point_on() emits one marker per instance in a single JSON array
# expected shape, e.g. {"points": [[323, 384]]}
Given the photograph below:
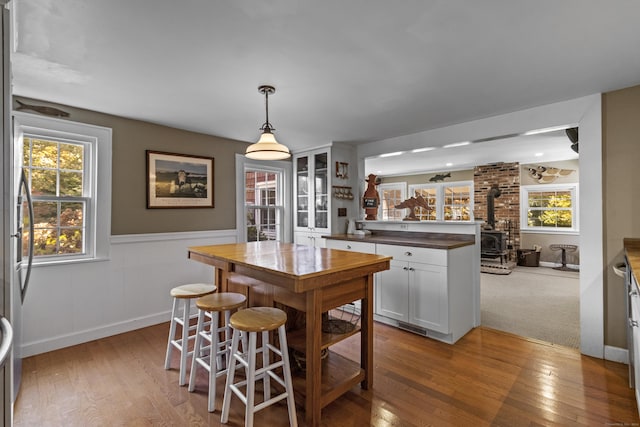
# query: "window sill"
{"points": [[551, 231]]}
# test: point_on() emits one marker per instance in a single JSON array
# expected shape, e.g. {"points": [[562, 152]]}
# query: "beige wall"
{"points": [[131, 139], [621, 185]]}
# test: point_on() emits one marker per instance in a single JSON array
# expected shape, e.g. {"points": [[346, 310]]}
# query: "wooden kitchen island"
{"points": [[311, 280]]}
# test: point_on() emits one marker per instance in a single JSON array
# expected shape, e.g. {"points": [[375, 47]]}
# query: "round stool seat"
{"points": [[220, 301], [193, 290], [258, 319]]}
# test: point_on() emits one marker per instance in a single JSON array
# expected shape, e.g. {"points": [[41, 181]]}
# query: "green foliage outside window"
{"points": [[55, 171], [550, 209]]}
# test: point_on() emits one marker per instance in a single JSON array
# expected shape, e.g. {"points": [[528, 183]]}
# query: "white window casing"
{"points": [[97, 141]]}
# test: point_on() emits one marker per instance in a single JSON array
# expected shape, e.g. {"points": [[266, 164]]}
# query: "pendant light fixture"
{"points": [[267, 148]]}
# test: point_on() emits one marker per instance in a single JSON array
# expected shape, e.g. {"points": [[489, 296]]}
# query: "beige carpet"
{"points": [[534, 302]]}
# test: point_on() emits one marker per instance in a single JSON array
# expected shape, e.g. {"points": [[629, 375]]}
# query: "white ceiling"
{"points": [[544, 148], [351, 71]]}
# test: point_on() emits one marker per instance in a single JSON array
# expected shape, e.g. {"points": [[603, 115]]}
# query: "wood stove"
{"points": [[493, 244]]}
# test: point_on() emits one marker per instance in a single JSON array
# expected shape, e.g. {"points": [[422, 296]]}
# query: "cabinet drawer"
{"points": [[349, 245], [407, 253]]}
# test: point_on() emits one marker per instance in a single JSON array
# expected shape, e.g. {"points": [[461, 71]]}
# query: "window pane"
{"points": [[44, 154], [261, 190], [43, 182], [71, 156], [70, 241], [429, 194], [45, 241], [550, 209], [45, 214], [71, 214], [70, 183]]}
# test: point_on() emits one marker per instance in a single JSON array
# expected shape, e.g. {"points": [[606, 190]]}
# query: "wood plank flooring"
{"points": [[487, 378]]}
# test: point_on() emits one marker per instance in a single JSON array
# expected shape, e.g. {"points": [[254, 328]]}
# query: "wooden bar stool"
{"points": [[251, 321], [184, 294], [210, 356]]}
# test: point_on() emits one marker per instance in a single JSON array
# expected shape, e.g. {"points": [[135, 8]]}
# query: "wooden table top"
{"points": [[291, 261]]}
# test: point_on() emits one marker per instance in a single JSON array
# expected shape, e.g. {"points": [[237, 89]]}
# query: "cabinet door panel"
{"points": [[393, 292], [635, 330], [428, 302]]}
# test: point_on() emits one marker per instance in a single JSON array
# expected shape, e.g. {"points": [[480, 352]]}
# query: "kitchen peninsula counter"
{"points": [[411, 238]]}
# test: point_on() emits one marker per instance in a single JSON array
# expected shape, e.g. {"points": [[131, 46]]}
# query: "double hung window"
{"points": [[263, 205], [450, 201], [391, 194], [68, 170], [549, 208]]}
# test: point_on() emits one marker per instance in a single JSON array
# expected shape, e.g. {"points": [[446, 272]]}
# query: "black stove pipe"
{"points": [[494, 192]]}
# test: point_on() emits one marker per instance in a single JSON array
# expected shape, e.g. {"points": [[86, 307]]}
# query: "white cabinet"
{"points": [[309, 238], [316, 210], [414, 290], [311, 189], [428, 291], [391, 292], [634, 324], [350, 245]]}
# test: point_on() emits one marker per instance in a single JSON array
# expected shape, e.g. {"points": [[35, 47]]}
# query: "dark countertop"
{"points": [[411, 238]]}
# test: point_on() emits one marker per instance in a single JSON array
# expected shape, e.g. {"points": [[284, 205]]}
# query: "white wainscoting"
{"points": [[75, 303]]}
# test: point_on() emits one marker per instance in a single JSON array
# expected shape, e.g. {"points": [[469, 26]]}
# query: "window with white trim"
{"points": [[68, 169], [391, 194], [457, 201], [263, 205], [552, 208], [450, 201], [429, 192]]}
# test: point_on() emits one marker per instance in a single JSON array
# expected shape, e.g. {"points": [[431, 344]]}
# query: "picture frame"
{"points": [[179, 181]]}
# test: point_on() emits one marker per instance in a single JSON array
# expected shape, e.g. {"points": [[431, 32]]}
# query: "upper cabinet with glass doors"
{"points": [[312, 192], [323, 193]]}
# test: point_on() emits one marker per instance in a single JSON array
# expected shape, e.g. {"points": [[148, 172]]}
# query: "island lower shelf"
{"points": [[339, 375]]}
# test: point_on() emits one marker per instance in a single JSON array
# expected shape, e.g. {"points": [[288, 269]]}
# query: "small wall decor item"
{"points": [[440, 177], [342, 170], [179, 181], [547, 175], [371, 199]]}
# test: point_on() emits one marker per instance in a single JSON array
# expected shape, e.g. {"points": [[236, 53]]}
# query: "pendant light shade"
{"points": [[267, 148]]}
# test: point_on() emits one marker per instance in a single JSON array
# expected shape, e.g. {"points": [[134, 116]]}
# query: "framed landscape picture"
{"points": [[179, 181]]}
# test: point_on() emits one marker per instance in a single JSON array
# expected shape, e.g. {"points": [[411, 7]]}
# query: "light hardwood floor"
{"points": [[487, 378]]}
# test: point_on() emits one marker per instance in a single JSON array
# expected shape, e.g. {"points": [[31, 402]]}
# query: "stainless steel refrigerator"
{"points": [[7, 204], [16, 237]]}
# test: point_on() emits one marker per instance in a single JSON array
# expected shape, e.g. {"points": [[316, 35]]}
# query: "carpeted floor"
{"points": [[534, 302]]}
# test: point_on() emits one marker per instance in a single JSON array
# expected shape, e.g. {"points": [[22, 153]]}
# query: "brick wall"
{"points": [[507, 206]]}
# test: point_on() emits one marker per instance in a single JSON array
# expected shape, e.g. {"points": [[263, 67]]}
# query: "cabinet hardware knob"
{"points": [[633, 293], [348, 246], [633, 323], [411, 269], [408, 253], [405, 268]]}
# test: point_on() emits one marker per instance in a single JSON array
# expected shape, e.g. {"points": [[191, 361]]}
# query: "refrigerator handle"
{"points": [[7, 339], [23, 288]]}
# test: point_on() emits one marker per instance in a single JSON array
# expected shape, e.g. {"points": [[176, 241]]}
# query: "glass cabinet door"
{"points": [[302, 192], [321, 202]]}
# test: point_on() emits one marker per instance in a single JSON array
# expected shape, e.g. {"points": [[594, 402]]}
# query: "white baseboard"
{"points": [[61, 341], [616, 354]]}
